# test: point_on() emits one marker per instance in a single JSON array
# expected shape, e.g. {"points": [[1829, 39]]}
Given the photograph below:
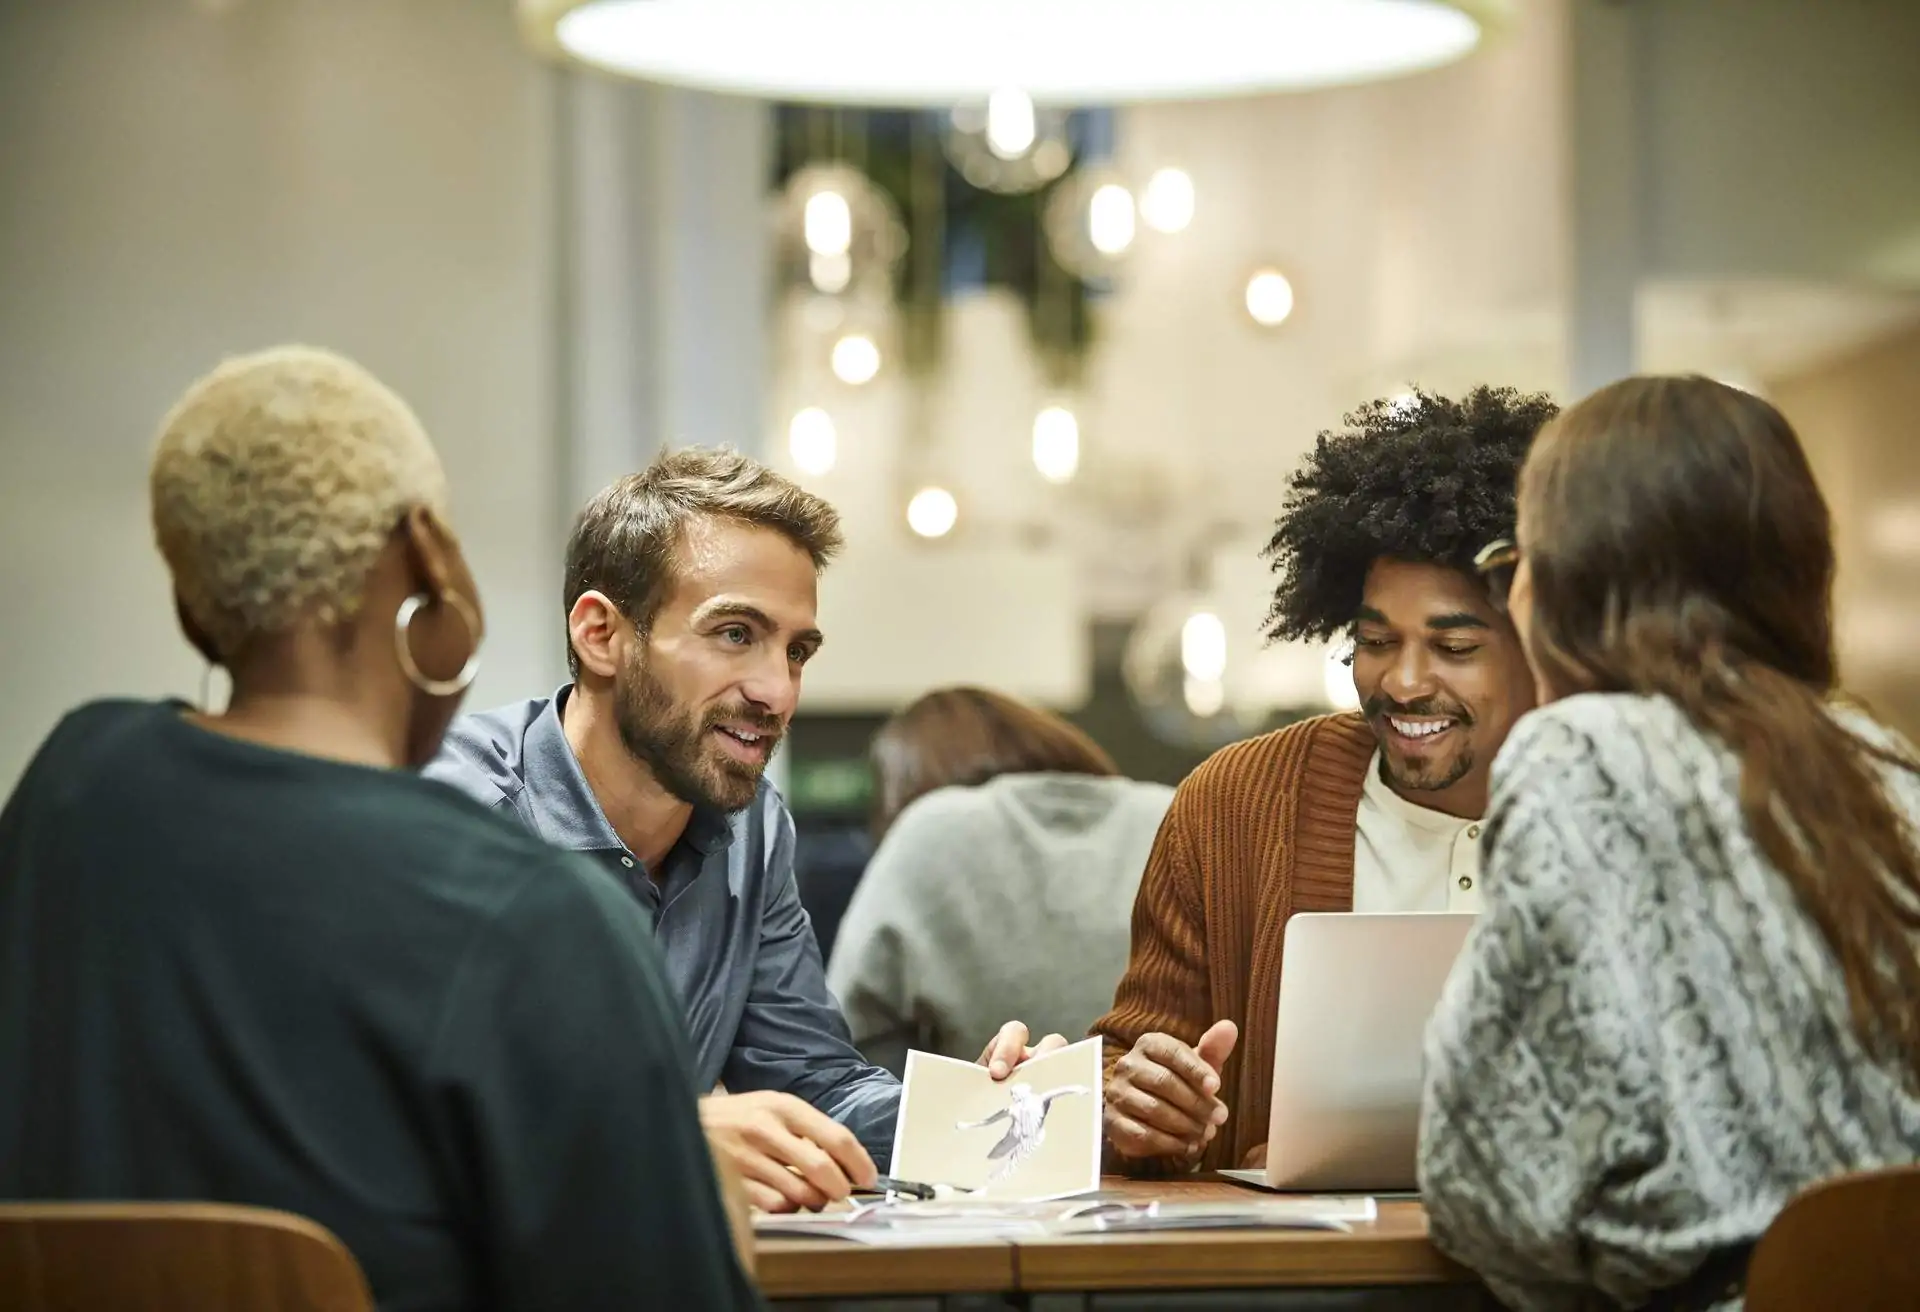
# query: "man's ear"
{"points": [[593, 627], [196, 635]]}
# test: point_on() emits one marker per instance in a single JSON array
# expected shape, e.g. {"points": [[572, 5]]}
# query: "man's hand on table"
{"points": [[1163, 1098], [788, 1154], [1008, 1049]]}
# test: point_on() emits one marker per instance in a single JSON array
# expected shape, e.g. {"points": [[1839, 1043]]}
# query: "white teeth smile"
{"points": [[1419, 728], [741, 735]]}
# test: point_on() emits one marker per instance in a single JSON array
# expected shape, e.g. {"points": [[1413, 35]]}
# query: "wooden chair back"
{"points": [[160, 1257], [1850, 1243]]}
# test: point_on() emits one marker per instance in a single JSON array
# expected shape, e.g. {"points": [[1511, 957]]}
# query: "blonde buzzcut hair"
{"points": [[277, 481]]}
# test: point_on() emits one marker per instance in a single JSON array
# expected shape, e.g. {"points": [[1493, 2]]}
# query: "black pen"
{"points": [[886, 1184]]}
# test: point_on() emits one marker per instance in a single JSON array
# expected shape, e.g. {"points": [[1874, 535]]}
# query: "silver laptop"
{"points": [[1356, 991]]}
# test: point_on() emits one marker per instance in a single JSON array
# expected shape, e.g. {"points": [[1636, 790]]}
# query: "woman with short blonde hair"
{"points": [[250, 956]]}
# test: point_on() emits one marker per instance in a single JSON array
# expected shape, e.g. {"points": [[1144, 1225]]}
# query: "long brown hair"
{"points": [[965, 736], [1679, 545]]}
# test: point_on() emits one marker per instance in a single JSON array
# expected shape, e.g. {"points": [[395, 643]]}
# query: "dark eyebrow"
{"points": [[740, 610], [733, 610], [1459, 619]]}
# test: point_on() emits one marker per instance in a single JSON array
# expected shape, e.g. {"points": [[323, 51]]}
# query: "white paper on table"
{"points": [[978, 1220], [896, 1224], [1031, 1137], [1327, 1213]]}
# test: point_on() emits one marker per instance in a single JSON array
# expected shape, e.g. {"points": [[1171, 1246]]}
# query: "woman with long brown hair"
{"points": [[1010, 849], [1694, 989]]}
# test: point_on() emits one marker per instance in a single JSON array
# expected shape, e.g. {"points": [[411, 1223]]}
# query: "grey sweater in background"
{"points": [[1007, 901], [1645, 1049]]}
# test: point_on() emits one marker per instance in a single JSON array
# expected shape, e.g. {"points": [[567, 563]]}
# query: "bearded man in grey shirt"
{"points": [[691, 590]]}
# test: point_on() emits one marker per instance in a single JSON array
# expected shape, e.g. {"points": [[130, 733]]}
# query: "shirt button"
{"points": [[627, 861], [1473, 831], [1466, 883]]}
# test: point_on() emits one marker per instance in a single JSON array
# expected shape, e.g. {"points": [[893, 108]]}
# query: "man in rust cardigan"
{"points": [[1375, 811]]}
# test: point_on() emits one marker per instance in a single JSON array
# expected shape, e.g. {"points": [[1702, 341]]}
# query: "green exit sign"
{"points": [[842, 785]]}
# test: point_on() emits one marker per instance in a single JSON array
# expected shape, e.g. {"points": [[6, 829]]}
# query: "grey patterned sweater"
{"points": [[1644, 1050]]}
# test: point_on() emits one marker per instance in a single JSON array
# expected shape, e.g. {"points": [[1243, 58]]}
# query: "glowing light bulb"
{"points": [[1010, 123], [1167, 203], [933, 512], [1110, 219], [1204, 697], [855, 359], [830, 273], [812, 441], [1269, 298], [1056, 444], [1203, 646], [828, 223], [1051, 157]]}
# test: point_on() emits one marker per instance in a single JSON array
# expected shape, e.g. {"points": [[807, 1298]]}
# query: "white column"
{"points": [[1604, 202], [604, 357], [711, 168], [664, 282]]}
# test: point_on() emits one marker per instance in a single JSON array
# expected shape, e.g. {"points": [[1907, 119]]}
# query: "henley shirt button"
{"points": [[1466, 883], [627, 861], [1473, 831]]}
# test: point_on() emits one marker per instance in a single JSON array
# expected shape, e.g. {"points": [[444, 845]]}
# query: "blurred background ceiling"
{"points": [[564, 270]]}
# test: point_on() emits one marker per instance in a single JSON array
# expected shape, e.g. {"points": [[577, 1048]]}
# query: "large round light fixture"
{"points": [[946, 52]]}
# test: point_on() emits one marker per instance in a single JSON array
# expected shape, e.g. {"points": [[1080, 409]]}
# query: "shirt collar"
{"points": [[565, 810], [1380, 793]]}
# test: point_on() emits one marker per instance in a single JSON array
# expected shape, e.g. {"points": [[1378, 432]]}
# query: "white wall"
{"points": [[1780, 138], [1856, 416], [178, 183]]}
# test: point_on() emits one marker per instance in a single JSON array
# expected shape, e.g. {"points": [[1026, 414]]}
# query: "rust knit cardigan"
{"points": [[1262, 829]]}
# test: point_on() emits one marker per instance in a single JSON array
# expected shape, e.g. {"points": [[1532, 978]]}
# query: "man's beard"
{"points": [[1421, 775], [678, 747]]}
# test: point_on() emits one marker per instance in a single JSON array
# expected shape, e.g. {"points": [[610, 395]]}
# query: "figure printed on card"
{"points": [[1026, 1118]]}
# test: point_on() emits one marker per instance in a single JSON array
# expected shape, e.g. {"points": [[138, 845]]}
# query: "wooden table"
{"points": [[1392, 1251], [835, 1268]]}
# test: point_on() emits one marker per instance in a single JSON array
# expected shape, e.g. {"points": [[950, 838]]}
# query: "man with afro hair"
{"points": [[1373, 811]]}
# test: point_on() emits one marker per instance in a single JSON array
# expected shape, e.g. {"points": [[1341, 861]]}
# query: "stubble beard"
{"points": [[677, 746]]}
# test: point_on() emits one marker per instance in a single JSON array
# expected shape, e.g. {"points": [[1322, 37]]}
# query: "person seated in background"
{"points": [[690, 596], [1694, 989], [251, 957], [1009, 851], [1376, 811]]}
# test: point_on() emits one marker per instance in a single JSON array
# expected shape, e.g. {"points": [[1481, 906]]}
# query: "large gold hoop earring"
{"points": [[403, 620]]}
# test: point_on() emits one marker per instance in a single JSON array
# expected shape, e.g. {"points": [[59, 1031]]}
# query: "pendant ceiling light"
{"points": [[1059, 52]]}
